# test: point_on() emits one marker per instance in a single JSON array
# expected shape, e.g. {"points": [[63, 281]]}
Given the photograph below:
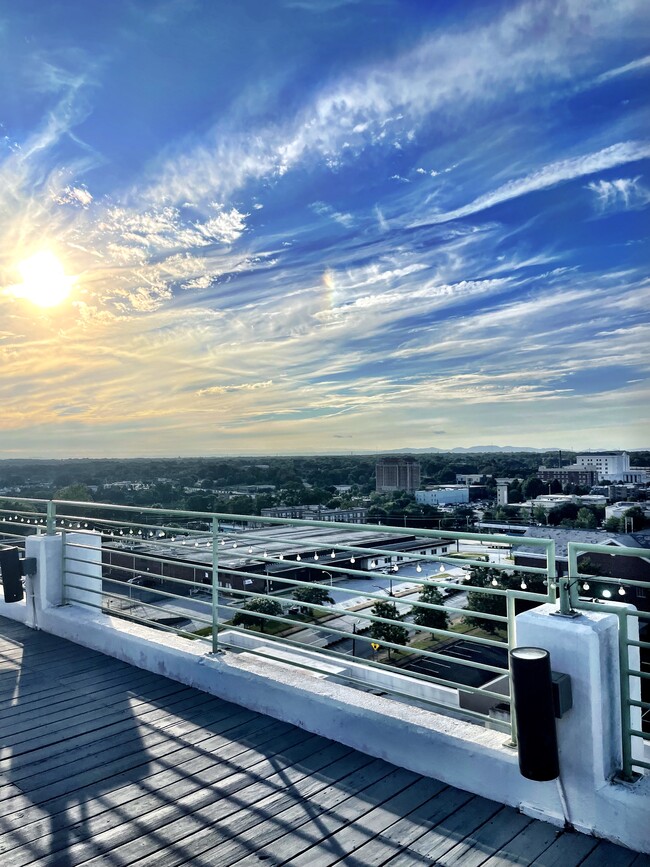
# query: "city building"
{"points": [[397, 474], [353, 515], [469, 478], [614, 467], [620, 509], [502, 491], [573, 474], [443, 495]]}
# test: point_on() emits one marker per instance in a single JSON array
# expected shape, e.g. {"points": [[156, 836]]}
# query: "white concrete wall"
{"points": [[589, 735]]}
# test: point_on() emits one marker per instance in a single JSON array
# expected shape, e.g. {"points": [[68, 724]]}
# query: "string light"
{"points": [[418, 568], [607, 593], [586, 586], [298, 557], [442, 568], [523, 585], [495, 582], [316, 556], [333, 554], [352, 560], [621, 591]]}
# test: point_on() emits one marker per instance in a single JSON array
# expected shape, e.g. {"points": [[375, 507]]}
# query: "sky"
{"points": [[303, 226]]}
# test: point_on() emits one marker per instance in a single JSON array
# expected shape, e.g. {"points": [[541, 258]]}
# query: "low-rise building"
{"points": [[573, 474], [443, 495]]}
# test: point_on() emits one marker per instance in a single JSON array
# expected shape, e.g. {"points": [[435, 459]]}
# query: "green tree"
{"points": [[315, 595], [254, 612], [485, 603], [539, 515], [393, 632], [428, 616], [613, 525], [533, 487], [586, 519], [74, 492]]}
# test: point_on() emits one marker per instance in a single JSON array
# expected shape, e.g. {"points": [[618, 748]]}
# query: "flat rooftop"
{"points": [[105, 764]]}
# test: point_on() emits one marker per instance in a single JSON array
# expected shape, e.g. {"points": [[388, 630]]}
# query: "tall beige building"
{"points": [[397, 474]]}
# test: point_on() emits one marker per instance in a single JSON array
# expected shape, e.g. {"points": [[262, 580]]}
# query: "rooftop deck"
{"points": [[104, 764]]}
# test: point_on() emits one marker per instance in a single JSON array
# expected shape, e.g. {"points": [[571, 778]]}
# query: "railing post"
{"points": [[50, 526], [512, 643], [215, 585]]}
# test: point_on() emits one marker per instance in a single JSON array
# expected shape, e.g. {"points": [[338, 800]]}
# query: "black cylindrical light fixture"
{"points": [[534, 712]]}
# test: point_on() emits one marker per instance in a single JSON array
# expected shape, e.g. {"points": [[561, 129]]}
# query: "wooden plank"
{"points": [[112, 824], [569, 848], [529, 844], [36, 780], [63, 738], [175, 765], [398, 836], [229, 818], [36, 788], [608, 855], [313, 846], [138, 829], [326, 812], [491, 836], [433, 845]]}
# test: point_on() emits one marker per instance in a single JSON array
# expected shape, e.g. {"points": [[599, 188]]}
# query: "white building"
{"points": [[609, 465], [443, 495], [618, 510]]}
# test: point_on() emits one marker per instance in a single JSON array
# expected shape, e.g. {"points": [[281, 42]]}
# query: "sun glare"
{"points": [[44, 280]]}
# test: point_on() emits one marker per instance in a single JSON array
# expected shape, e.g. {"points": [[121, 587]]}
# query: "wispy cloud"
{"points": [[620, 194], [634, 66], [549, 176]]}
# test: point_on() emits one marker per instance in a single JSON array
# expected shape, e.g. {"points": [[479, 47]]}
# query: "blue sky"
{"points": [[315, 225]]}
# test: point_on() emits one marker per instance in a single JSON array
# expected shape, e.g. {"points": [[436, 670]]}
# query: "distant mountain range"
{"points": [[472, 449]]}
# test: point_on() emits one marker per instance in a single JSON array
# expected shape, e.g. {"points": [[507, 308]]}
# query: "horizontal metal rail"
{"points": [[268, 559]]}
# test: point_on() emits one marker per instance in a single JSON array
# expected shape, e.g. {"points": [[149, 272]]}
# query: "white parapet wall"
{"points": [[589, 735], [456, 752]]}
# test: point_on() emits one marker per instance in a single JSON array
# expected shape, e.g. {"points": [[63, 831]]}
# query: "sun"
{"points": [[44, 280]]}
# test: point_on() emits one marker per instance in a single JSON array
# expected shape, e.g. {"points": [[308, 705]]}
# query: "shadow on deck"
{"points": [[105, 764]]}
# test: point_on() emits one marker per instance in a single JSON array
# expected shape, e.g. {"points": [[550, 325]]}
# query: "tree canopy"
{"points": [[430, 617], [315, 595], [253, 612], [393, 632]]}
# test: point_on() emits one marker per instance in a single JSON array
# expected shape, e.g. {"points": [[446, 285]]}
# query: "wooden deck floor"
{"points": [[104, 764]]}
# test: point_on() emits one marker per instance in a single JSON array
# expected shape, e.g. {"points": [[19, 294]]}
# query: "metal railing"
{"points": [[598, 592], [230, 581]]}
